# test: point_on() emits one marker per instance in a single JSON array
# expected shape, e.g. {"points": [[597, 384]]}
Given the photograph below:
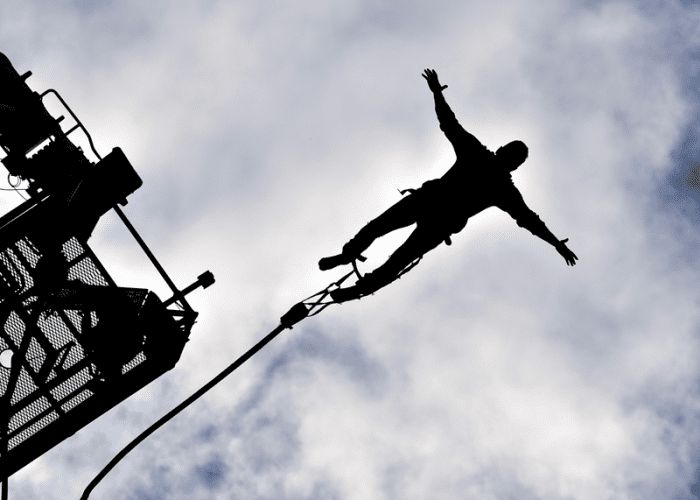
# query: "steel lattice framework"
{"points": [[73, 344]]}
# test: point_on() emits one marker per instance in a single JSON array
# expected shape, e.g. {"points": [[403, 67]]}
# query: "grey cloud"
{"points": [[273, 442], [350, 357], [212, 473], [160, 486]]}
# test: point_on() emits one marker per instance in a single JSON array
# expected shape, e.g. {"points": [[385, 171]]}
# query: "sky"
{"points": [[267, 133]]}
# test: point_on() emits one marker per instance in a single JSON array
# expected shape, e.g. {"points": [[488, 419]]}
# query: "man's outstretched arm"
{"points": [[455, 133], [529, 220]]}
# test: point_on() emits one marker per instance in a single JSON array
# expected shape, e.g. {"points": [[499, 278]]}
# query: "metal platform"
{"points": [[73, 344]]}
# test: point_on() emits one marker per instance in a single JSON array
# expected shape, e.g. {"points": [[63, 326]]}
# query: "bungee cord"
{"points": [[311, 306]]}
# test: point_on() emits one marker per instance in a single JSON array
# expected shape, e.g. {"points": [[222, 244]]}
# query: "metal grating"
{"points": [[67, 327], [72, 343]]}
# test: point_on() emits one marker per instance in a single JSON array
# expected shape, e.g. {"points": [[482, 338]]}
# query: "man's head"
{"points": [[512, 155]]}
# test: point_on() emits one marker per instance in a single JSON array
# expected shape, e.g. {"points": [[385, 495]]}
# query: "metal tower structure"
{"points": [[73, 344]]}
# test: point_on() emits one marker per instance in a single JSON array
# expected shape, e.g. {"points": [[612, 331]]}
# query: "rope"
{"points": [[308, 307], [225, 373]]}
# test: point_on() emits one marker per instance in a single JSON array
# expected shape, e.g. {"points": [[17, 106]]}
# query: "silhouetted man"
{"points": [[479, 179]]}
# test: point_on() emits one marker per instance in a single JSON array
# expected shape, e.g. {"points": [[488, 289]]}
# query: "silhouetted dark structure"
{"points": [[73, 344], [479, 179]]}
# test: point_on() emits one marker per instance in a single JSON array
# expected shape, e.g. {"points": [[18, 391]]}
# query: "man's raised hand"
{"points": [[431, 76], [564, 251]]}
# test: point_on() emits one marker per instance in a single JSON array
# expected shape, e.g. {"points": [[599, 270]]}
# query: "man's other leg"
{"points": [[401, 214], [421, 241]]}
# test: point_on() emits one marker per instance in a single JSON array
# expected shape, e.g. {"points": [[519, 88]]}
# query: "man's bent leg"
{"points": [[402, 214]]}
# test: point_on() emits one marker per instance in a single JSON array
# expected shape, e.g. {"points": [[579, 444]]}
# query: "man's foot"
{"points": [[327, 263], [366, 285]]}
